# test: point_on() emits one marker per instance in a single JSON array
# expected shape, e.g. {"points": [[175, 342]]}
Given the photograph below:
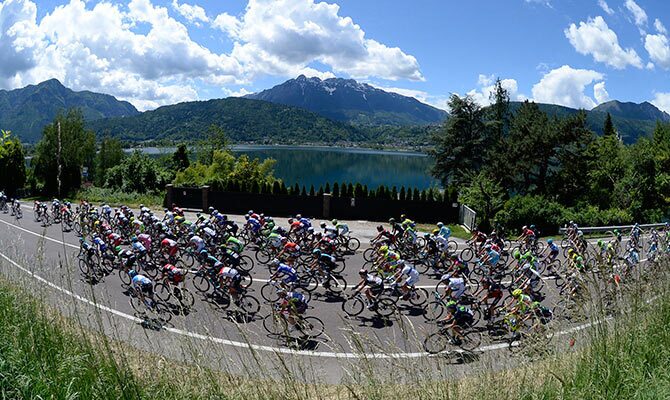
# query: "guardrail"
{"points": [[467, 217], [596, 229]]}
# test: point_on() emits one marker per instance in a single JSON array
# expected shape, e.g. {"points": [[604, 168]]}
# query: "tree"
{"points": [[608, 128], [215, 139], [110, 155], [336, 189], [12, 164], [485, 195], [74, 150], [138, 173], [460, 146], [180, 159]]}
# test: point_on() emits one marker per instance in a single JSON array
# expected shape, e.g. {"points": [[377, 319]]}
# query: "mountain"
{"points": [[26, 111], [631, 120], [244, 120], [642, 111], [346, 100]]}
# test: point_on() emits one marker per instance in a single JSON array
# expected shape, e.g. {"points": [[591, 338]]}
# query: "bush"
{"points": [[544, 213]]}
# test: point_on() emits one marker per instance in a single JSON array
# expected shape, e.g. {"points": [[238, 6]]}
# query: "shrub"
{"points": [[544, 213]]}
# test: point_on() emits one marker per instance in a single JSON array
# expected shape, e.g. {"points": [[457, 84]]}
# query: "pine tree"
{"points": [[608, 128]]}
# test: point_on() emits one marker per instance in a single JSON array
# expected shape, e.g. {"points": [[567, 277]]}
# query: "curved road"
{"points": [[44, 259]]}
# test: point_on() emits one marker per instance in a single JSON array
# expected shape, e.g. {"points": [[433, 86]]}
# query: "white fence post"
{"points": [[467, 217]]}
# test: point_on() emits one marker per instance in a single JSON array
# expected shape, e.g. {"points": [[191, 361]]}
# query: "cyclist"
{"points": [[444, 231], [169, 247], [342, 228], [234, 244], [232, 279], [322, 261], [384, 237], [173, 274], [290, 249], [372, 284], [455, 286], [494, 293], [458, 318], [143, 286], [138, 247], [412, 279], [288, 274], [294, 303], [126, 257]]}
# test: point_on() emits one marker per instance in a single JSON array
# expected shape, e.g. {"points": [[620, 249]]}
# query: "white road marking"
{"points": [[39, 235]]}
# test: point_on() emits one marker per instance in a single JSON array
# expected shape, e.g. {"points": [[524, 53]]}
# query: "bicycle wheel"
{"points": [[311, 326], [433, 311], [340, 266], [262, 256], [162, 312], [385, 307], [249, 304], [163, 292], [369, 254], [307, 282], [336, 285], [353, 306], [435, 343], [353, 244], [246, 264], [84, 267], [419, 297], [125, 278], [471, 340], [269, 293], [467, 254], [188, 259], [185, 297], [201, 283], [247, 280], [274, 324]]}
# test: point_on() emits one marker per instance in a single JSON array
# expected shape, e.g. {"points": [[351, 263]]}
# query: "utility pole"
{"points": [[59, 161]]}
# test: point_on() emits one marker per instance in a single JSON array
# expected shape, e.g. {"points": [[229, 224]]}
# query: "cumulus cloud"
{"points": [[660, 28], [437, 101], [20, 40], [565, 86], [603, 4], [638, 13], [280, 37], [486, 86], [595, 38], [600, 93], [662, 101], [658, 49], [193, 13]]}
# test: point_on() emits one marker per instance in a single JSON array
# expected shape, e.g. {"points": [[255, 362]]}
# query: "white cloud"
{"points": [[486, 86], [193, 13], [280, 37], [99, 49], [658, 49], [437, 101], [594, 37], [543, 2], [603, 4], [660, 28], [662, 101], [638, 13], [565, 86], [600, 93], [236, 93]]}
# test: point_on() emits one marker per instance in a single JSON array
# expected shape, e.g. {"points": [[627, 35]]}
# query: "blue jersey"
{"points": [[141, 280], [286, 270], [554, 248]]}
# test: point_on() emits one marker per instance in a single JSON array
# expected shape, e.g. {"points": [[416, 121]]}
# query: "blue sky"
{"points": [[154, 52]]}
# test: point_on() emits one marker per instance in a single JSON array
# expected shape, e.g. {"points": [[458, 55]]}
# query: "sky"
{"points": [[576, 53]]}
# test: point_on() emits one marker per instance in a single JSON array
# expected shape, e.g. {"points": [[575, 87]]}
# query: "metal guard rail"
{"points": [[595, 229]]}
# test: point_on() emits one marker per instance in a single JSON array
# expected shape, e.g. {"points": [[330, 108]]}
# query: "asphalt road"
{"points": [[44, 260]]}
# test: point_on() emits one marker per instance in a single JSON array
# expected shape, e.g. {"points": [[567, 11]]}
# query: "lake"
{"points": [[307, 165]]}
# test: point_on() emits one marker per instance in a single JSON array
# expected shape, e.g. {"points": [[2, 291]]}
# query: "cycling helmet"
{"points": [[281, 293], [454, 256], [440, 224], [298, 216], [427, 235], [600, 242], [132, 273], [517, 293], [580, 233], [246, 216], [204, 253], [117, 249], [391, 220], [493, 234], [316, 252], [571, 251], [210, 209], [445, 278], [167, 267], [290, 221], [380, 228], [384, 249], [451, 305], [269, 219], [334, 222], [403, 216], [550, 241], [274, 262], [133, 239], [524, 227], [250, 212], [323, 224], [363, 271], [532, 227], [517, 255]]}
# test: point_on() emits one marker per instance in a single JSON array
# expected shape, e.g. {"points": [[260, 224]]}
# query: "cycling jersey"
{"points": [[235, 244], [142, 283], [457, 286], [296, 301], [444, 232], [198, 243], [228, 272], [289, 273], [412, 275], [139, 247]]}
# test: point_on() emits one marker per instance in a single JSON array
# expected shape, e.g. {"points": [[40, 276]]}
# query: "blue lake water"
{"points": [[316, 166]]}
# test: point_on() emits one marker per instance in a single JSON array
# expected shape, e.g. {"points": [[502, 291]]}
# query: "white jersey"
{"points": [[457, 286]]}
